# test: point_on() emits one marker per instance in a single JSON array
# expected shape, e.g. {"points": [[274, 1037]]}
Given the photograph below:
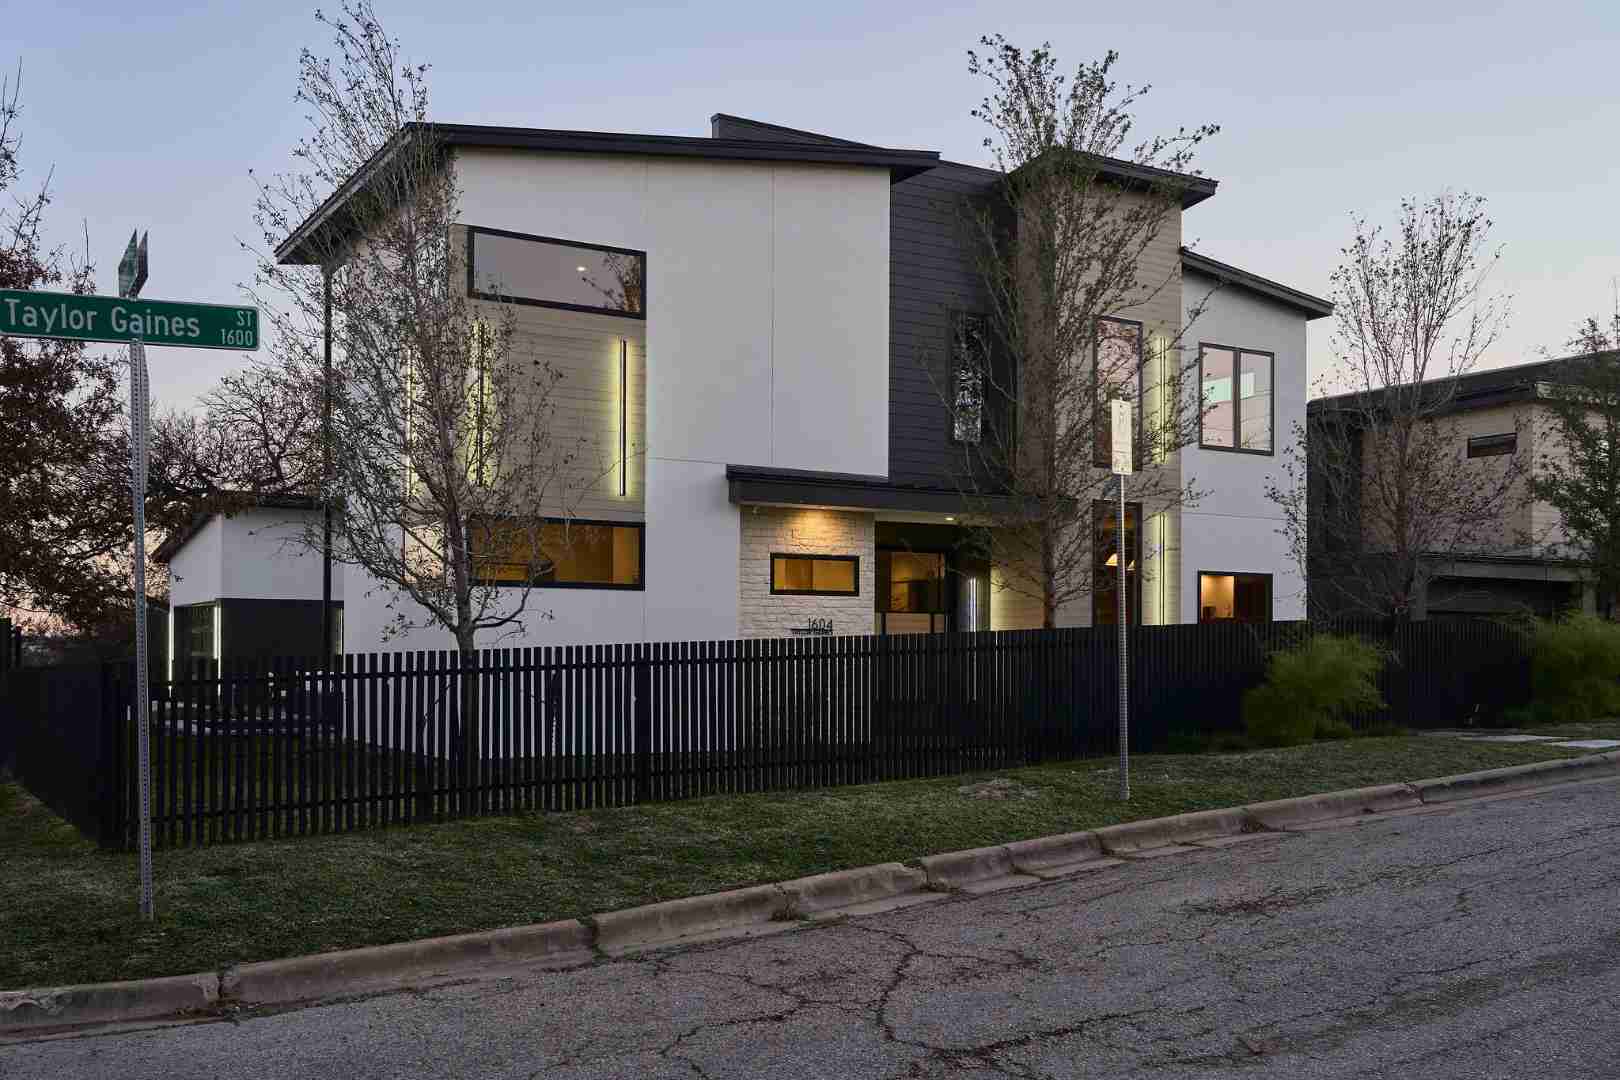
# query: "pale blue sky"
{"points": [[152, 118]]}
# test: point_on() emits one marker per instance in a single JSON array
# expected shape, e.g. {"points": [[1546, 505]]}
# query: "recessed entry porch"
{"points": [[836, 553]]}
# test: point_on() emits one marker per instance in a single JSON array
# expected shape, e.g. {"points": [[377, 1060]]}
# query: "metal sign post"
{"points": [[131, 277], [1121, 416]]}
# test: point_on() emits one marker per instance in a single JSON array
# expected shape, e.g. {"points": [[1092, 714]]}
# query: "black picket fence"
{"points": [[287, 749]]}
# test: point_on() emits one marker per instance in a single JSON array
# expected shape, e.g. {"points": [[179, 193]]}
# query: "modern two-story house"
{"points": [[783, 458], [1521, 562]]}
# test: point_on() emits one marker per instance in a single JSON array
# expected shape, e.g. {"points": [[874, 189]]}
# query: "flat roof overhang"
{"points": [[301, 248], [761, 486]]}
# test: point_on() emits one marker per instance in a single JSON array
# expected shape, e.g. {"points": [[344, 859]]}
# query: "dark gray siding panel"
{"points": [[931, 272]]}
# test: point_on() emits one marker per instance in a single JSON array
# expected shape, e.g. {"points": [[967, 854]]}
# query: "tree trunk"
{"points": [[466, 740]]}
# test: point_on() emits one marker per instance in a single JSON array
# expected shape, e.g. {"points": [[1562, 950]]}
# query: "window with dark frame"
{"points": [[548, 272], [559, 553], [815, 575], [1493, 445], [1237, 397], [969, 359], [1234, 597], [1116, 375], [193, 636], [1105, 548]]}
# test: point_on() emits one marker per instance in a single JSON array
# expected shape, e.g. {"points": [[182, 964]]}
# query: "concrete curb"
{"points": [[667, 923], [1517, 778], [846, 888], [1050, 852], [1286, 813], [107, 1003], [1137, 836], [759, 909], [355, 971]]}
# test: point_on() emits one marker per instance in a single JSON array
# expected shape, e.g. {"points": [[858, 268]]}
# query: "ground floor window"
{"points": [[911, 593], [196, 628], [1234, 597], [561, 553], [815, 575], [1106, 548]]}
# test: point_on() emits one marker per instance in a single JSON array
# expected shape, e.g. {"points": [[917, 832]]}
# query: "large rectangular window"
{"points": [[559, 553], [1226, 597], [1237, 399], [815, 575], [1116, 376], [547, 272], [1106, 548]]}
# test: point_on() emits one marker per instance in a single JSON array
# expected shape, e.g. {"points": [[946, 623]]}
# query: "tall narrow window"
{"points": [[969, 361], [1105, 550], [1116, 376], [1237, 398]]}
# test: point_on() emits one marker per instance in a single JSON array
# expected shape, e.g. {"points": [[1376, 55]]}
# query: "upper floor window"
{"points": [[1116, 376], [547, 272], [970, 350], [1493, 445], [1236, 386], [558, 552]]}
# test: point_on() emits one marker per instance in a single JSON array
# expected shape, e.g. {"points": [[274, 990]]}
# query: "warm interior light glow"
{"points": [[624, 418], [581, 269], [949, 518]]}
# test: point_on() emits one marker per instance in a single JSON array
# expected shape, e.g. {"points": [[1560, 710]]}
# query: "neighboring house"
{"points": [[779, 455], [1523, 565]]}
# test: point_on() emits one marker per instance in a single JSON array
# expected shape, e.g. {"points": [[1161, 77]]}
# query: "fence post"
{"points": [[112, 781], [643, 692]]}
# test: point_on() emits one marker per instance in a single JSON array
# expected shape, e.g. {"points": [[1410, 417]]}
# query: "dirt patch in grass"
{"points": [[68, 911]]}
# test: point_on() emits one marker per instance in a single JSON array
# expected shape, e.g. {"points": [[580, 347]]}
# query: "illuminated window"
{"points": [[969, 356], [1116, 376], [553, 552], [816, 575], [546, 272], [1234, 597], [1105, 549], [1240, 420]]}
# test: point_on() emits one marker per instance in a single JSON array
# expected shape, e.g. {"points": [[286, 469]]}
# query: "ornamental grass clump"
{"points": [[1312, 690]]}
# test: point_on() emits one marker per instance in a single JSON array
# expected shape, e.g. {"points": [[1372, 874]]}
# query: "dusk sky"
{"points": [[152, 118]]}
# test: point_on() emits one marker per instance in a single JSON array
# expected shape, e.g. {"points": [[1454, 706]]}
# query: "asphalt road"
{"points": [[1480, 942]]}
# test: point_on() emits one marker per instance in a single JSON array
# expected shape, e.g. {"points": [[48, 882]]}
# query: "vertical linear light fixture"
{"points": [[624, 417]]}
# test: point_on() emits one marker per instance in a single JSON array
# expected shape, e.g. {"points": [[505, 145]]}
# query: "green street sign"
{"points": [[111, 318]]}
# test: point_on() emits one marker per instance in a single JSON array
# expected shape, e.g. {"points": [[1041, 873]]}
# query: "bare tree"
{"points": [[1379, 491], [1060, 242], [1578, 473], [442, 449]]}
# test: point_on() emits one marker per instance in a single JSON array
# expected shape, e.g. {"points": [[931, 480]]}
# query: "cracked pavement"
{"points": [[1479, 941]]}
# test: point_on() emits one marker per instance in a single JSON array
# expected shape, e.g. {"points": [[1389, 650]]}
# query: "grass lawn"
{"points": [[68, 910]]}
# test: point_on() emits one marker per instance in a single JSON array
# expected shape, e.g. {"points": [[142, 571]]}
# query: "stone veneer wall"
{"points": [[767, 529]]}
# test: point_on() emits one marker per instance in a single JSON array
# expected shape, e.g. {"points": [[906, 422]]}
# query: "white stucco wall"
{"points": [[196, 569], [767, 332], [1234, 527]]}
